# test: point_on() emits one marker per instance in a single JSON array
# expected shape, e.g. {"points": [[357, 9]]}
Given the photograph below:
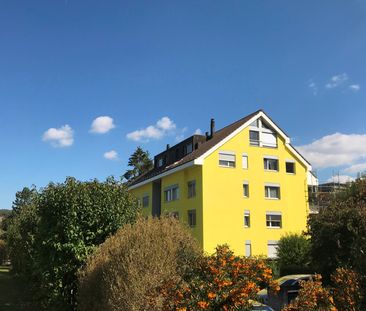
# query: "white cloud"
{"points": [[111, 155], [102, 125], [354, 87], [337, 81], [162, 127], [335, 150], [340, 179], [197, 132], [355, 168], [313, 87], [61, 137]]}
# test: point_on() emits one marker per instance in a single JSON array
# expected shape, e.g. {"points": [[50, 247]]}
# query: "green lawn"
{"points": [[13, 292]]}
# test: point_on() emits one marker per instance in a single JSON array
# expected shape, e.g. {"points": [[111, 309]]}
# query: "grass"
{"points": [[14, 295]]}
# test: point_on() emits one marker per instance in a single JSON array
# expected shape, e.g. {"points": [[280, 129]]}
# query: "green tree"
{"points": [[293, 253], [52, 232], [140, 162], [21, 227], [338, 232]]}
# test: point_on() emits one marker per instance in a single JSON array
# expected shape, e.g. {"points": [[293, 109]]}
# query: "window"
{"points": [[192, 218], [189, 148], [248, 248], [290, 167], [174, 215], [244, 161], [227, 159], [171, 193], [274, 220], [269, 140], [246, 189], [272, 249], [272, 191], [160, 162], [247, 219], [145, 201], [254, 138], [191, 189], [270, 164]]}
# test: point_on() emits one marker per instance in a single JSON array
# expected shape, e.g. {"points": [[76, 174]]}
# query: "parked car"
{"points": [[258, 306], [289, 289]]}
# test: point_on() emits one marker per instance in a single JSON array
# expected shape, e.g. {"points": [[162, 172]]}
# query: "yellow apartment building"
{"points": [[244, 185]]}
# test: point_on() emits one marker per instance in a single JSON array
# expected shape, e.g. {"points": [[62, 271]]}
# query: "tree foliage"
{"points": [[129, 269], [221, 281], [293, 254], [338, 232], [62, 224], [140, 162]]}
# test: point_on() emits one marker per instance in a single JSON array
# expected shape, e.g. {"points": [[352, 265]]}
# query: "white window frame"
{"points": [[269, 220], [246, 186], [266, 161], [270, 244], [246, 219], [248, 248], [227, 159], [294, 164], [267, 191], [244, 161], [257, 126], [169, 193]]}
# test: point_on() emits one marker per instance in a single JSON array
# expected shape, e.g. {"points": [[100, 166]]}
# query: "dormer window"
{"points": [[189, 148], [160, 162]]}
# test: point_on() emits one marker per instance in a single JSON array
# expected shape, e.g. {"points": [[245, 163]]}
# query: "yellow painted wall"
{"points": [[224, 203], [183, 204]]}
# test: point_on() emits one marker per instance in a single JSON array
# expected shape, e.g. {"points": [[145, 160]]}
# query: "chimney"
{"points": [[207, 136], [212, 128], [167, 147]]}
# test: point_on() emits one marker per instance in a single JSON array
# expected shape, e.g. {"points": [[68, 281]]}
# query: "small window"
{"points": [[192, 218], [160, 162], [269, 140], [273, 220], [227, 159], [290, 167], [191, 189], [145, 201], [247, 219], [245, 161], [272, 249], [189, 148], [174, 215], [246, 189], [254, 138], [171, 193], [248, 248], [270, 164], [272, 192]]}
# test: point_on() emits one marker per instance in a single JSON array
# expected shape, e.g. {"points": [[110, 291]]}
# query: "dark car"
{"points": [[289, 289]]}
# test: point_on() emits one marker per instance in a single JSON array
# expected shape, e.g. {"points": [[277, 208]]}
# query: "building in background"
{"points": [[244, 185]]}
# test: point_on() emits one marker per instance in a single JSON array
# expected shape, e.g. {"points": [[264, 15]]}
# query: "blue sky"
{"points": [[65, 63]]}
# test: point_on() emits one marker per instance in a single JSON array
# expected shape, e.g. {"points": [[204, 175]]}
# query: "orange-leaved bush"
{"points": [[346, 289], [221, 281], [312, 297]]}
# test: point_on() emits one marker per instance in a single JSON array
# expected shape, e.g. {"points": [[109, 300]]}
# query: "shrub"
{"points": [[346, 289], [2, 251], [293, 254], [312, 297], [222, 281], [129, 270]]}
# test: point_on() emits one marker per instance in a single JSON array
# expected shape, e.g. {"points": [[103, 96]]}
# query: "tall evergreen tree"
{"points": [[140, 162]]}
